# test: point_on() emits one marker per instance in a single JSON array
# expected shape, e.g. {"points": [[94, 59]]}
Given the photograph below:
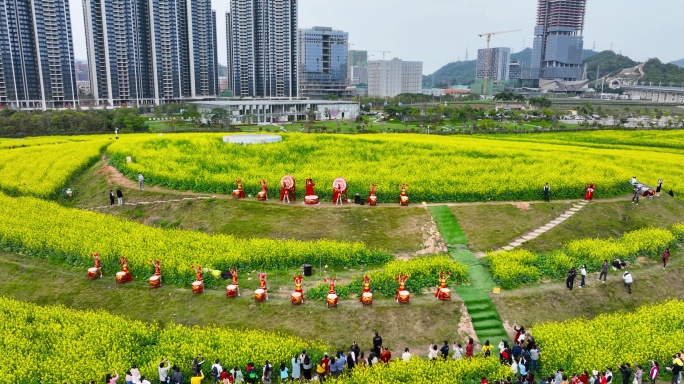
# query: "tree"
{"points": [[539, 102]]}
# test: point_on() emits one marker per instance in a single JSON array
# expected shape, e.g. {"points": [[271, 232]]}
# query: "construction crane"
{"points": [[383, 53], [487, 55]]}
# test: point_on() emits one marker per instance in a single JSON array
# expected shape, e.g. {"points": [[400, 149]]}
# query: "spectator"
{"points": [[361, 360], [635, 196], [583, 273], [604, 271], [332, 364], [639, 374], [141, 182], [351, 359], [356, 349], [584, 377], [216, 370], [284, 373], [135, 373], [594, 379], [386, 355], [626, 371], [458, 351], [377, 344], [445, 350], [372, 358], [177, 377], [111, 197], [406, 356], [119, 195], [547, 193], [267, 377], [666, 257], [486, 349], [341, 360], [306, 367], [143, 380], [296, 368], [432, 356], [470, 348], [628, 281], [109, 379], [570, 280], [197, 364], [237, 374], [227, 378], [609, 375], [534, 359], [676, 368], [320, 370], [559, 376], [653, 373], [164, 372]]}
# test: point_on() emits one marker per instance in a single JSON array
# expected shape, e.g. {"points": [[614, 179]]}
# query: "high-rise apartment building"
{"points": [[37, 58], [229, 63], [558, 42], [388, 78], [264, 48], [497, 69], [322, 62], [515, 70], [358, 67], [149, 52]]}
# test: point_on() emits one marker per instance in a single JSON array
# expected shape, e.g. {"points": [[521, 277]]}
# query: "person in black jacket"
{"points": [[570, 281], [119, 195], [111, 197], [445, 350], [626, 371], [377, 343], [177, 377]]}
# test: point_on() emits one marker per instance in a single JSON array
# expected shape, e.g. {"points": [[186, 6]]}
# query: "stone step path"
{"points": [[543, 229], [103, 207]]}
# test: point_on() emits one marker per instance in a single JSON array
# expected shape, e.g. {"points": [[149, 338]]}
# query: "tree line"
{"points": [[53, 122]]}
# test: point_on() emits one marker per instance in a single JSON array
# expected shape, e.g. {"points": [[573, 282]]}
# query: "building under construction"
{"points": [[558, 41]]}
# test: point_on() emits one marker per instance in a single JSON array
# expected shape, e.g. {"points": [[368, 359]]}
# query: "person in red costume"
{"points": [[337, 192], [331, 288], [298, 280], [241, 193], [234, 276], [590, 192], [124, 268], [264, 188], [402, 285], [198, 273], [443, 277], [157, 267], [262, 283], [310, 187], [98, 265], [403, 198], [284, 193], [372, 194]]}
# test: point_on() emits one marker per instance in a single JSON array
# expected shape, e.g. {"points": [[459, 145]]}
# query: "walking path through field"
{"points": [[533, 234], [484, 316]]}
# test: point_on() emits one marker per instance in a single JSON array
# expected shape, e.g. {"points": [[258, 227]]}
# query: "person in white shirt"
{"points": [[141, 182], [458, 351], [432, 355], [143, 380], [164, 371], [583, 273], [406, 356], [216, 370], [628, 281], [514, 367], [135, 374]]}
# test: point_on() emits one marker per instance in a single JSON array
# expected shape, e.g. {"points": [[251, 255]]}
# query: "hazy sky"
{"points": [[439, 31]]}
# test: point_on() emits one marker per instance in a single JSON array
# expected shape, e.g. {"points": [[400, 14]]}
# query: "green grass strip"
{"points": [[448, 225]]}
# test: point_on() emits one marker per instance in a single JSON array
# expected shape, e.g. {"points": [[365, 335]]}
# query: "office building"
{"points": [[498, 66], [279, 111], [358, 67], [37, 68], [150, 52], [264, 48], [322, 62], [515, 70], [389, 78], [558, 41], [229, 63]]}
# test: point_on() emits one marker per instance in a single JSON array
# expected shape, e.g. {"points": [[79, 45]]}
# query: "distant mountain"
{"points": [[658, 73], [679, 62], [607, 63], [463, 72]]}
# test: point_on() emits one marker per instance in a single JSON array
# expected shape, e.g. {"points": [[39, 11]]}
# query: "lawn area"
{"points": [[415, 325], [399, 231], [489, 227], [611, 219], [553, 302]]}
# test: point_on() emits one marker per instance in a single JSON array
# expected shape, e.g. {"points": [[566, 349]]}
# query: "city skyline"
{"points": [[632, 29]]}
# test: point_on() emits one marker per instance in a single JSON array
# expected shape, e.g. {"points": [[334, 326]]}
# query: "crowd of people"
{"points": [[522, 356]]}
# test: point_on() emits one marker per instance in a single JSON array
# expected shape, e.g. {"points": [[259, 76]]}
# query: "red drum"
{"points": [[259, 295], [331, 300], [311, 200], [444, 294], [232, 291], [236, 193], [261, 196], [121, 277], [404, 200], [373, 200], [367, 298], [296, 298], [197, 287], [94, 273], [155, 281], [404, 297]]}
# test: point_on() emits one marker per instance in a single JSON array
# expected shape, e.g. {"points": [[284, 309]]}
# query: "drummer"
{"points": [[264, 189], [310, 187], [372, 198]]}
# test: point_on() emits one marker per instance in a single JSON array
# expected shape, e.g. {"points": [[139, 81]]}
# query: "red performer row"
{"points": [[260, 294], [340, 196]]}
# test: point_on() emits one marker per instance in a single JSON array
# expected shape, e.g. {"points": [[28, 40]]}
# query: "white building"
{"points": [[280, 111], [389, 78]]}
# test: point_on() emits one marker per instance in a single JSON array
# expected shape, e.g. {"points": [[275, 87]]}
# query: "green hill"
{"points": [[610, 64]]}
